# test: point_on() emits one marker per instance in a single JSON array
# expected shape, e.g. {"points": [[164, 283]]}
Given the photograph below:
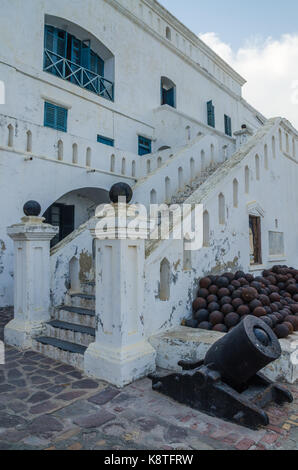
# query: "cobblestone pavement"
{"points": [[48, 405]]}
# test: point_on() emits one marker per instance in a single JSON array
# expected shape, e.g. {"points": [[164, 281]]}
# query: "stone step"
{"points": [[70, 332], [83, 300], [75, 315], [68, 353], [88, 287]]}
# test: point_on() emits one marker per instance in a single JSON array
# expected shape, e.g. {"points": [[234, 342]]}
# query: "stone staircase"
{"points": [[71, 329], [181, 196]]}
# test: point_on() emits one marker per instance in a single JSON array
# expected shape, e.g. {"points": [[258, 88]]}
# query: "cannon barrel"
{"points": [[244, 351]]}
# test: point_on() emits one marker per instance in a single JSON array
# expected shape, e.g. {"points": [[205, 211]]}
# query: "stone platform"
{"points": [[190, 344]]}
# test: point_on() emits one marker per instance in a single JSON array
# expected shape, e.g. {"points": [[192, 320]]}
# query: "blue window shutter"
{"points": [[105, 140], [145, 146], [86, 55], [55, 117], [228, 125], [211, 114]]}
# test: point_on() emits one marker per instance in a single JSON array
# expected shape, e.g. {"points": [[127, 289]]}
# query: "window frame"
{"points": [[143, 148], [101, 139], [56, 109]]}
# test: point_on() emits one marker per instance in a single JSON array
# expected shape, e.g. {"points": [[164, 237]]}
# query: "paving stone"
{"points": [[14, 374], [95, 420], [78, 408], [10, 421], [244, 444], [122, 398], [75, 446], [62, 380], [30, 368], [21, 394], [76, 374], [44, 407], [48, 373], [147, 424], [38, 379], [85, 384], [69, 396], [17, 406], [105, 396], [39, 397], [14, 435], [36, 442], [65, 369], [175, 434], [6, 388], [45, 424], [53, 389], [18, 383]]}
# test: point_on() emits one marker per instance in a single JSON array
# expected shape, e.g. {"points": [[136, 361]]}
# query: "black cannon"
{"points": [[227, 383]]}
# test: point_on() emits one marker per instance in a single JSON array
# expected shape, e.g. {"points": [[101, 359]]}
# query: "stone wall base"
{"points": [[190, 344]]}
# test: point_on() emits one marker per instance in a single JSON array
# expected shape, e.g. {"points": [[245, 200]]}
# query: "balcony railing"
{"points": [[74, 73]]}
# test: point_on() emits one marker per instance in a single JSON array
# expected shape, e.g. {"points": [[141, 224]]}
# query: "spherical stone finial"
{"points": [[32, 208], [120, 190]]}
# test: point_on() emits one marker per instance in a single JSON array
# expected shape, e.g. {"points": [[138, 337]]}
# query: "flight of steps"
{"points": [[181, 196], [71, 329]]}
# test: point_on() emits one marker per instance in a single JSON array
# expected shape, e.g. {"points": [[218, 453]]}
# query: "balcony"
{"points": [[74, 73]]}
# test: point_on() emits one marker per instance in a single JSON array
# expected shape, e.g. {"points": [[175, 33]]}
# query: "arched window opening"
{"points": [[180, 178], [224, 153], [159, 162], [257, 160], [60, 150], [29, 142], [148, 167], [133, 169], [188, 133], [10, 135], [235, 192], [75, 154], [168, 33], [206, 229], [168, 189], [246, 171], [287, 143], [75, 55], [212, 154], [112, 167], [123, 167], [153, 197], [221, 209], [266, 162], [165, 277], [168, 92], [280, 139], [74, 274], [88, 157]]}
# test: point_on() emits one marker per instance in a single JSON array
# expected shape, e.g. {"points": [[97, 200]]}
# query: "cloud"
{"points": [[271, 70]]}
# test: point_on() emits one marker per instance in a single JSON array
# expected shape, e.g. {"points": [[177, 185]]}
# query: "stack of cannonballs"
{"points": [[224, 301]]}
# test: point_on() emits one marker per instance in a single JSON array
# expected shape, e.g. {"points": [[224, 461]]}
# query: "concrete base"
{"points": [[119, 366], [189, 344], [21, 334]]}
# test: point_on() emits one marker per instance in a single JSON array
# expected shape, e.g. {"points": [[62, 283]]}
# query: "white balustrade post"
{"points": [[121, 353], [31, 280]]}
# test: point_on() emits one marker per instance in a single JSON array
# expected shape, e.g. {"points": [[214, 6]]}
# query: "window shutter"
{"points": [[210, 114], [55, 117], [61, 119], [49, 115], [228, 125]]}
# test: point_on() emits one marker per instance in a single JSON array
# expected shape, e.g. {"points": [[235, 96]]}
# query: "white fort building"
{"points": [[99, 92]]}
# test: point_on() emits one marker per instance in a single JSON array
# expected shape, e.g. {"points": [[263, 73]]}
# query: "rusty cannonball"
{"points": [[212, 298], [213, 289], [198, 304], [290, 326], [294, 320], [292, 289], [225, 300], [203, 293], [243, 310], [239, 274], [205, 325], [222, 282], [249, 277], [226, 309], [265, 300], [201, 315], [213, 307], [223, 292], [249, 294], [294, 308], [205, 283], [274, 297], [229, 276], [255, 304], [221, 328], [259, 312], [236, 284], [274, 319], [191, 323], [282, 331], [295, 297], [267, 320], [243, 281], [216, 318], [237, 294], [232, 319]]}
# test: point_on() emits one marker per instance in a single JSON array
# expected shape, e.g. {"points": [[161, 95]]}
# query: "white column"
{"points": [[31, 280], [121, 353]]}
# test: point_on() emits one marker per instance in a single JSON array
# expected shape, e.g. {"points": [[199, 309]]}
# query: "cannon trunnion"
{"points": [[227, 383]]}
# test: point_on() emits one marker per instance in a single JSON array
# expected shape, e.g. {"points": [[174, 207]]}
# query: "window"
{"points": [[255, 240], [168, 33], [105, 140], [210, 114], [144, 145], [228, 125], [55, 117], [62, 216], [168, 92]]}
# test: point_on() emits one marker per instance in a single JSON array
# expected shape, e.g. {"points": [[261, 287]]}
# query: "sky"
{"points": [[259, 38]]}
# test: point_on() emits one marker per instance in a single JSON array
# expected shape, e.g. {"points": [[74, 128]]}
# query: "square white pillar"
{"points": [[121, 353], [31, 280]]}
